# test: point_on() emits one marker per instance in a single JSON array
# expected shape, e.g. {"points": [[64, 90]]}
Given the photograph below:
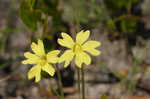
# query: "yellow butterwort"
{"points": [[78, 49], [41, 60]]}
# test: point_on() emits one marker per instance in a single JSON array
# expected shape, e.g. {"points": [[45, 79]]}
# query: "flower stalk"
{"points": [[60, 86], [83, 83], [78, 82]]}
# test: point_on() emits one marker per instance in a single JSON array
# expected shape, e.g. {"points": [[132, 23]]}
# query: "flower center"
{"points": [[43, 61], [77, 48]]}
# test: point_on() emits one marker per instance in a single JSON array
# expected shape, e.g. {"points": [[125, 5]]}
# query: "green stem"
{"points": [[53, 90], [60, 82], [45, 25], [83, 83], [79, 79]]}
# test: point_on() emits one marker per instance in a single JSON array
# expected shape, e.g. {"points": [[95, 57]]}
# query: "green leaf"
{"points": [[29, 16], [3, 65], [111, 25], [128, 25], [119, 5], [49, 7]]}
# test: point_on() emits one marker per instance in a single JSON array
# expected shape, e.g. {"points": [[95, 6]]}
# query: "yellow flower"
{"points": [[78, 49], [41, 60]]}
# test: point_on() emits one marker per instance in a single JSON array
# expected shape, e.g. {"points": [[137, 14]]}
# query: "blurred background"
{"points": [[122, 71]]}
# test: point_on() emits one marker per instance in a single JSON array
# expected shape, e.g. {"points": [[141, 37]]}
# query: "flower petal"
{"points": [[52, 56], [38, 49], [38, 75], [35, 72], [28, 61], [32, 72], [49, 69], [90, 46], [67, 57], [82, 57], [82, 36], [32, 58], [66, 41]]}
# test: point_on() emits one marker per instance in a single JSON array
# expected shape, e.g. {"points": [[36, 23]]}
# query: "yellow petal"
{"points": [[82, 37], [30, 55], [35, 71], [90, 46], [67, 57], [66, 41], [81, 58], [28, 61], [32, 72], [52, 56], [38, 49], [38, 75], [67, 62], [31, 58], [49, 69]]}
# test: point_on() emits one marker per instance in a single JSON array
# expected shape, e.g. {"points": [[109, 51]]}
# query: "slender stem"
{"points": [[79, 79], [83, 83], [125, 17], [53, 90], [60, 82], [45, 25]]}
